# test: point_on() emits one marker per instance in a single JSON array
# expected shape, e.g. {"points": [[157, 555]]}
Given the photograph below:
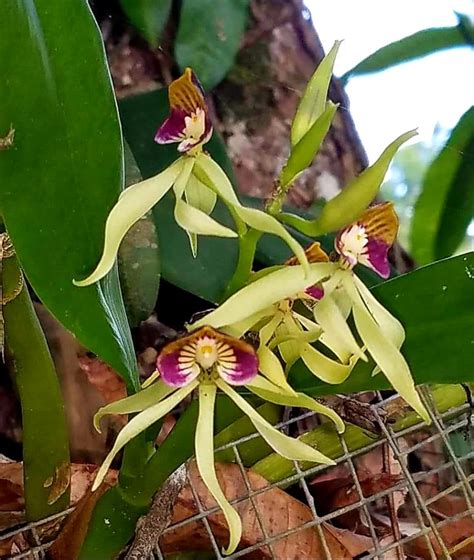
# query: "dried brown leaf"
{"points": [[278, 511]]}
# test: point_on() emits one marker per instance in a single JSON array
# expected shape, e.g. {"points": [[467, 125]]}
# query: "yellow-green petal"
{"points": [[200, 196], [269, 392], [287, 447], [135, 403], [139, 423], [323, 367], [384, 352], [391, 327], [239, 328], [264, 292], [196, 221], [133, 203], [204, 449], [337, 335], [271, 367]]}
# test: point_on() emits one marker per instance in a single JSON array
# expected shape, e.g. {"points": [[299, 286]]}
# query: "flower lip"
{"points": [[368, 240], [208, 352], [188, 122]]}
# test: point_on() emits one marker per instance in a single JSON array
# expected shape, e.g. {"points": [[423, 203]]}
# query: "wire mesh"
{"points": [[455, 469]]}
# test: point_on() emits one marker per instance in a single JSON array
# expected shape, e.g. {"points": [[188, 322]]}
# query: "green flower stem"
{"points": [[247, 247], [275, 203], [45, 436], [326, 440]]}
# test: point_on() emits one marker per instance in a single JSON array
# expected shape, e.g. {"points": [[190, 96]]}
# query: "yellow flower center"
{"points": [[206, 352], [195, 125]]}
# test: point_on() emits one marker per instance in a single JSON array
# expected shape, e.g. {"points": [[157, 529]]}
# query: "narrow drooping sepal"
{"points": [[368, 240], [210, 351], [189, 122]]}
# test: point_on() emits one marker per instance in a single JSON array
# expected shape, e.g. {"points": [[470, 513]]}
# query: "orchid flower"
{"points": [[267, 306], [208, 360], [367, 242], [195, 179]]}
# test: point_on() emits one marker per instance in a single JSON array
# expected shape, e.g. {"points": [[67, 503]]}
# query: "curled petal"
{"points": [[337, 335], [323, 367], [200, 196], [272, 369], [287, 447], [195, 221], [135, 403], [266, 291], [269, 392], [138, 424], [385, 354], [245, 366], [133, 203], [204, 449], [390, 326], [368, 240], [189, 121]]}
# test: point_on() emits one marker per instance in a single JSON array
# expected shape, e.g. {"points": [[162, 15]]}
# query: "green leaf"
{"points": [[349, 204], [446, 203], [139, 258], [303, 153], [434, 304], [148, 16], [421, 43], [205, 276], [313, 101], [64, 172], [208, 37]]}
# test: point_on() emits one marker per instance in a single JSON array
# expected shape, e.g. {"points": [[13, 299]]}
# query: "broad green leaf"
{"points": [[206, 275], [148, 16], [434, 305], [64, 171], [302, 154], [139, 258], [446, 203], [459, 207], [349, 204], [421, 43], [313, 101], [208, 38]]}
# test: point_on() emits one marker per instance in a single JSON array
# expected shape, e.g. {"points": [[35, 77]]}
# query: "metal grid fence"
{"points": [[457, 468]]}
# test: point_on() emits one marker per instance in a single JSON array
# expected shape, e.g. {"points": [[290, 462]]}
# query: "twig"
{"points": [[151, 526]]}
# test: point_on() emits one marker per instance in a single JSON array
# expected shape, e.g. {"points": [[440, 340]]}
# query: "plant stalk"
{"points": [[46, 468]]}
